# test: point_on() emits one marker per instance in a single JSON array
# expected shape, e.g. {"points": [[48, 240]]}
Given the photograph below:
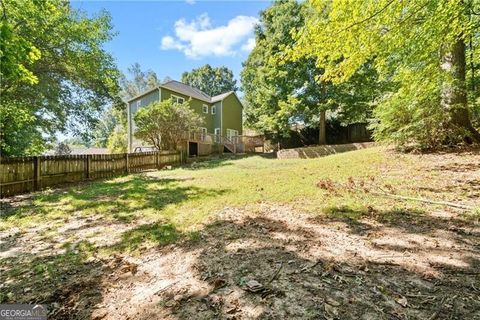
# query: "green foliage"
{"points": [[407, 42], [56, 76], [111, 130], [105, 126], [117, 140], [16, 52], [279, 92], [212, 81], [18, 133], [164, 124], [139, 82], [62, 149]]}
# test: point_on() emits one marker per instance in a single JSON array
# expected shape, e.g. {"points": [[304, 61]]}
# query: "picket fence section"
{"points": [[26, 174]]}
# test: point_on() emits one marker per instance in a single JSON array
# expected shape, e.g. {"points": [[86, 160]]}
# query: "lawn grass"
{"points": [[58, 232], [185, 197]]}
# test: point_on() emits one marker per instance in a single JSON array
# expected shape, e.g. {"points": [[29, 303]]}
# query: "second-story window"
{"points": [[205, 108], [214, 109], [177, 99]]}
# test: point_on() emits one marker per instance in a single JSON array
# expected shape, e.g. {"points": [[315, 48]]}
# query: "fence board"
{"points": [[18, 175]]}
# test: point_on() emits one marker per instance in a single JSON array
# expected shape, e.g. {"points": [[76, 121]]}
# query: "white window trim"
{"points": [[214, 109], [203, 108], [175, 98]]}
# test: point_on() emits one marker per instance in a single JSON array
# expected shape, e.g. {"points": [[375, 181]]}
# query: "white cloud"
{"points": [[249, 45], [199, 38]]}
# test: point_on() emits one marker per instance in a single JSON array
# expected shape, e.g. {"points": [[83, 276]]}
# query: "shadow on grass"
{"points": [[288, 259], [299, 282], [70, 283], [296, 287], [408, 220], [119, 199], [156, 234], [62, 282]]}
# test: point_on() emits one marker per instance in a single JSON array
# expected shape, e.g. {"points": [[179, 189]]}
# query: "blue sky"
{"points": [[171, 37]]}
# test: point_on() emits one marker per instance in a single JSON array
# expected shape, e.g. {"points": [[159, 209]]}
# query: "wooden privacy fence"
{"points": [[26, 174]]}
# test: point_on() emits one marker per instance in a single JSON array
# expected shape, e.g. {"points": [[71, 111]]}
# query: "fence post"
{"points": [[36, 173], [127, 163], [89, 166]]}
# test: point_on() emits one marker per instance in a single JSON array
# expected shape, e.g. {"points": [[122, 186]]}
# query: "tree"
{"points": [[117, 140], [280, 92], [164, 124], [212, 81], [56, 76], [418, 45], [62, 149], [105, 126], [111, 130], [139, 82]]}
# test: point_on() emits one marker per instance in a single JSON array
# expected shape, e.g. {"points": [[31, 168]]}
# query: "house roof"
{"points": [[220, 96], [187, 90]]}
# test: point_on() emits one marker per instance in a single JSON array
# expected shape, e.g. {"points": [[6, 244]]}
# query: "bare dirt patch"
{"points": [[282, 264]]}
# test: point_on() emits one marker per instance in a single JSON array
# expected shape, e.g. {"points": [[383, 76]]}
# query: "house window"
{"points": [[204, 131], [217, 135], [139, 102], [177, 99], [214, 109], [205, 108]]}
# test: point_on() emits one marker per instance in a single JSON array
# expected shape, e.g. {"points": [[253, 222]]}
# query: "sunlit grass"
{"points": [[185, 197]]}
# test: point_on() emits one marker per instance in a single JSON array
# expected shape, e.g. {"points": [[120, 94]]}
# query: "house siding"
{"points": [[217, 119], [145, 100], [232, 114], [228, 113], [197, 106]]}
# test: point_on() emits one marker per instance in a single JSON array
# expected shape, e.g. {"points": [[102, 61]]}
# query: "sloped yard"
{"points": [[254, 238]]}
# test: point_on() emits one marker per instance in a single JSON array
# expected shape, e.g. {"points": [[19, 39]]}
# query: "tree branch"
{"points": [[4, 17], [370, 17]]}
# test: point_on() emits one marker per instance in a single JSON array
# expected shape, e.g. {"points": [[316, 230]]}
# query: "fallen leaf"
{"points": [[332, 302], [402, 301], [253, 286], [331, 311]]}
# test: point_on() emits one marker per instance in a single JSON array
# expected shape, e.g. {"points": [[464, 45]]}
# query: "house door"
{"points": [[192, 149]]}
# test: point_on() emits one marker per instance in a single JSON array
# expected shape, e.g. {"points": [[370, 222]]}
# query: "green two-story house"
{"points": [[222, 116]]}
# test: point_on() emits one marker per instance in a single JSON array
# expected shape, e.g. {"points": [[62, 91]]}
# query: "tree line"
{"points": [[408, 69]]}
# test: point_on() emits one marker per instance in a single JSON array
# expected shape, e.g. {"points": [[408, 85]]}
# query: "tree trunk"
{"points": [[322, 136], [454, 92]]}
